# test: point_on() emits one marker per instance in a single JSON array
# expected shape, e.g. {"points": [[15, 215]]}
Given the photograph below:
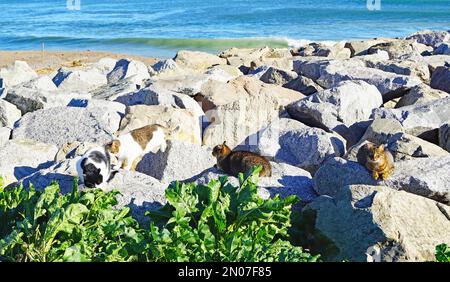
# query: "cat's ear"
{"points": [[380, 148], [224, 143]]}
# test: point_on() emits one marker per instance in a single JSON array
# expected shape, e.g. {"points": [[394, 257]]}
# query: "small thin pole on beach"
{"points": [[42, 51]]}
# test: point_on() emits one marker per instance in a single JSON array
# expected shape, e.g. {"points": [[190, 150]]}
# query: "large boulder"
{"points": [[335, 51], [61, 125], [152, 95], [441, 79], [112, 91], [304, 85], [436, 61], [444, 136], [289, 141], [79, 80], [404, 67], [419, 119], [338, 108], [427, 177], [30, 100], [260, 104], [142, 115], [388, 83], [360, 219], [401, 49], [360, 48], [430, 37], [16, 73], [125, 69], [403, 146], [180, 161], [9, 114], [420, 94], [199, 61], [19, 158], [277, 76]]}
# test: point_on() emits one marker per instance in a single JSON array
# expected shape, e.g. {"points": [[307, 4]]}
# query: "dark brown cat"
{"points": [[234, 162]]}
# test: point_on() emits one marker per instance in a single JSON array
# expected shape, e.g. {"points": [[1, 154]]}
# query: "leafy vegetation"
{"points": [[443, 253], [214, 222], [220, 222]]}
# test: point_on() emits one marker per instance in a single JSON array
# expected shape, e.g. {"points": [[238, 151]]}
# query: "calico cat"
{"points": [[234, 162], [94, 168], [131, 147], [379, 161]]}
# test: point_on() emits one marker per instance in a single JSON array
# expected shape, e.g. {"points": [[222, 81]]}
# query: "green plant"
{"points": [[443, 253], [221, 222], [79, 226]]}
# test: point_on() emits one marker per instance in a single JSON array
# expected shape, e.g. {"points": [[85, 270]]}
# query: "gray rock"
{"points": [[19, 158], [278, 76], [403, 146], [112, 91], [180, 161], [304, 85], [154, 96], [336, 173], [401, 49], [131, 70], [9, 114], [420, 94], [427, 177], [289, 141], [386, 82], [366, 223], [430, 37], [418, 119], [30, 100], [5, 133], [62, 125], [436, 61], [79, 80], [404, 67], [16, 73], [338, 108], [441, 79], [359, 48], [442, 49], [444, 136]]}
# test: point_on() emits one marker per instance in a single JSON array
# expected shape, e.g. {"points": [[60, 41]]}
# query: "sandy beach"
{"points": [[49, 61]]}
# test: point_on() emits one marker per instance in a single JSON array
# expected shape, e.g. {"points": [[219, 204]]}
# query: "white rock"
{"points": [[5, 133], [17, 73], [20, 158], [132, 70], [9, 114], [79, 80]]}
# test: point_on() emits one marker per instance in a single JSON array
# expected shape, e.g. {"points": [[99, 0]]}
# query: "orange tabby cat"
{"points": [[379, 161]]}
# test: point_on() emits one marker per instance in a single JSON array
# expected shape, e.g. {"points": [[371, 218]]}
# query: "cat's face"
{"points": [[92, 174], [376, 153], [113, 147], [219, 150]]}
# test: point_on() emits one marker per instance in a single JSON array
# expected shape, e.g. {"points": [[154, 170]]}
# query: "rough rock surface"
{"points": [[180, 161], [360, 218], [17, 73], [289, 141], [420, 94], [444, 136], [441, 79], [199, 61], [418, 119], [131, 70], [79, 80], [61, 125], [9, 114], [19, 158]]}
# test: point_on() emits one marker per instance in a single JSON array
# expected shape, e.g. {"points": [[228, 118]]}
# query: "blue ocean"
{"points": [[160, 28]]}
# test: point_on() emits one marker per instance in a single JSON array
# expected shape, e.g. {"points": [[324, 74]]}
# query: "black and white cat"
{"points": [[94, 168]]}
